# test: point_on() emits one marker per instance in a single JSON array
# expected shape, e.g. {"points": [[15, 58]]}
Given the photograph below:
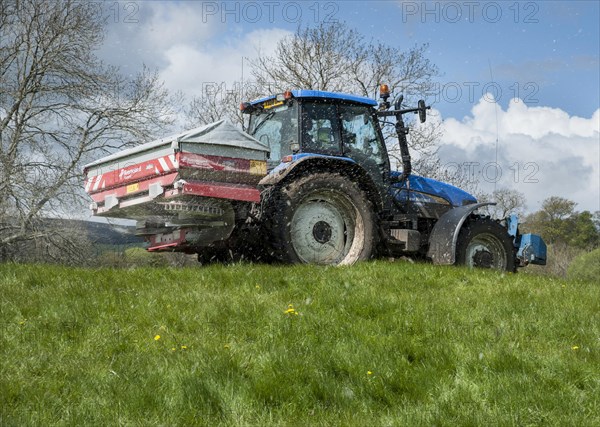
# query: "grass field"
{"points": [[373, 344]]}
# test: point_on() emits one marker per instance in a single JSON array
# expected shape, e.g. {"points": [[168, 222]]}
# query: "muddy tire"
{"points": [[322, 218], [484, 243]]}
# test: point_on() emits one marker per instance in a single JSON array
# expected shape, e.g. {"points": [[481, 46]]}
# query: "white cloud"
{"points": [[542, 151], [154, 28], [191, 67], [176, 23], [188, 49]]}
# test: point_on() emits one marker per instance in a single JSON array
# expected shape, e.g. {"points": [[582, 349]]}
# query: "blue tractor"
{"points": [[330, 196]]}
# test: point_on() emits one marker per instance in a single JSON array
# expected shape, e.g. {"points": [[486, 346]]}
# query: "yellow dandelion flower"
{"points": [[290, 310], [369, 373], [156, 337], [257, 286], [184, 347], [575, 348], [173, 349]]}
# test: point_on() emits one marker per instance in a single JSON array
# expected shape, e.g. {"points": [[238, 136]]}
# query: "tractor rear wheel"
{"points": [[483, 243], [323, 218]]}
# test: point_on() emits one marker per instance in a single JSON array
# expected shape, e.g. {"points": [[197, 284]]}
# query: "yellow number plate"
{"points": [[258, 167], [133, 188], [272, 103]]}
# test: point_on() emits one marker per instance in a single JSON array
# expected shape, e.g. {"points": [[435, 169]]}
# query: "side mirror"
{"points": [[422, 113]]}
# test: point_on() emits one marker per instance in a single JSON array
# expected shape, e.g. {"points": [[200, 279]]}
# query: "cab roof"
{"points": [[304, 93]]}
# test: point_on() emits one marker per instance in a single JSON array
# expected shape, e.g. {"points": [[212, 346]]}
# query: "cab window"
{"points": [[359, 134], [361, 141], [320, 133]]}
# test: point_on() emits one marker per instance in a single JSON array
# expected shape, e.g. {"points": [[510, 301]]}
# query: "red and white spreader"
{"points": [[186, 190]]}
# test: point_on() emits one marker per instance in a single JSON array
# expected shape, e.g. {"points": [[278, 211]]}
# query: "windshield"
{"points": [[276, 128]]}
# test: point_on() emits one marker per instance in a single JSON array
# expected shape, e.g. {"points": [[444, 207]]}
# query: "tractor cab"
{"points": [[299, 123]]}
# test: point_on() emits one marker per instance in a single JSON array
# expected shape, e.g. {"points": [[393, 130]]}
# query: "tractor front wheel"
{"points": [[484, 243]]}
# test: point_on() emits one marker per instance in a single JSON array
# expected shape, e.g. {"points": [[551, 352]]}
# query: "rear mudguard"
{"points": [[442, 241], [285, 168]]}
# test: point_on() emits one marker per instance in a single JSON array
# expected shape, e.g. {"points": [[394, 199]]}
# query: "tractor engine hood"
{"points": [[432, 187]]}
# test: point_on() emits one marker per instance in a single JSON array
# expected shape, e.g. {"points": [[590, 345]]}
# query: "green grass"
{"points": [[373, 344]]}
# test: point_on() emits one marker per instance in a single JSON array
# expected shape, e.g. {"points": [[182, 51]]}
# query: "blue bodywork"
{"points": [[532, 249], [512, 224], [420, 185], [322, 94]]}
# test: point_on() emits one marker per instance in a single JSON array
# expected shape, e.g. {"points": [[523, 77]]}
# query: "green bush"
{"points": [[586, 267]]}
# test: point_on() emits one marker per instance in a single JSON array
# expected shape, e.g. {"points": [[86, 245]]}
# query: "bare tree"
{"points": [[508, 201], [334, 57], [216, 103], [62, 241], [326, 57], [60, 107]]}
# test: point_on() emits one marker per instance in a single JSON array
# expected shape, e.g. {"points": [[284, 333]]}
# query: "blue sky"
{"points": [[544, 53], [541, 52]]}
